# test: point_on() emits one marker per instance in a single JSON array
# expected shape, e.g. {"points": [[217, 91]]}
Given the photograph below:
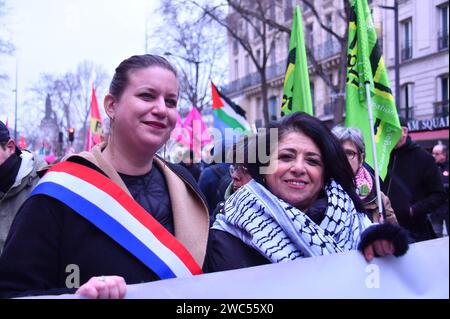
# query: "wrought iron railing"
{"points": [[321, 52], [443, 40], [406, 53], [441, 108], [407, 112]]}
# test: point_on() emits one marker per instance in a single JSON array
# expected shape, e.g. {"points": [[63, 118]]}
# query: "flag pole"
{"points": [[381, 212]]}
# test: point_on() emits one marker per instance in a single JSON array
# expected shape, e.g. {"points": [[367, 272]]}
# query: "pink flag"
{"points": [[94, 132], [194, 123], [180, 133]]}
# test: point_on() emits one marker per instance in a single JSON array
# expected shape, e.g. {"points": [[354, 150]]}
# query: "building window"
{"points": [[273, 108], [313, 97], [407, 39], [441, 106], [443, 27], [257, 28], [273, 53], [288, 10], [246, 31], [247, 64], [236, 69], [407, 101], [444, 88], [235, 47], [258, 56], [305, 7], [259, 121], [309, 36], [272, 15], [329, 24]]}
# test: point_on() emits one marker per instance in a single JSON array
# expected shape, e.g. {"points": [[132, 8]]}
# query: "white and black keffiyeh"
{"points": [[281, 232]]}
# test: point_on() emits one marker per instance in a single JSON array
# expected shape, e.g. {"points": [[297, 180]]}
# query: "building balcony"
{"points": [[327, 49], [406, 53], [406, 112], [441, 109], [253, 79], [322, 52], [443, 40]]}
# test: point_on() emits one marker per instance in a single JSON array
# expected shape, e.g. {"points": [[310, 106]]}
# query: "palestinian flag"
{"points": [[227, 114]]}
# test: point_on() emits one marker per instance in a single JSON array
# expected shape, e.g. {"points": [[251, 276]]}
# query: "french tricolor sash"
{"points": [[102, 202]]}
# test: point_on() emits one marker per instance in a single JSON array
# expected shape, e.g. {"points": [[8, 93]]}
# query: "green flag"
{"points": [[366, 65], [297, 94]]}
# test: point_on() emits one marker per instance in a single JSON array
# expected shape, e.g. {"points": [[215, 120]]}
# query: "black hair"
{"points": [[335, 162], [136, 62]]}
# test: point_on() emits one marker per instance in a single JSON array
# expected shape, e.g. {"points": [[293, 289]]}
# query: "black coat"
{"points": [[48, 240], [209, 183], [226, 252], [413, 181]]}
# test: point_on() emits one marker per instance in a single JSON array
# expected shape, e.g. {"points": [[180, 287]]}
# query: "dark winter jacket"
{"points": [[209, 183], [413, 182], [49, 244], [443, 167], [11, 200]]}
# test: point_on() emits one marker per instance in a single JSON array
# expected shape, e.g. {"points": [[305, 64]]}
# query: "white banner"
{"points": [[422, 273]]}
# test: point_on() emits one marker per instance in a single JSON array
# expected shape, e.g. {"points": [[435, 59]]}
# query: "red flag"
{"points": [[94, 133], [22, 143]]}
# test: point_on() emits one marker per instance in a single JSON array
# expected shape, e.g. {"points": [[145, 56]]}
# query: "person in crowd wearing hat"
{"points": [[413, 184], [440, 215], [17, 179]]}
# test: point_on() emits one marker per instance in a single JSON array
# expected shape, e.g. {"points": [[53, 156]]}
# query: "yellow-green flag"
{"points": [[366, 65], [297, 93]]}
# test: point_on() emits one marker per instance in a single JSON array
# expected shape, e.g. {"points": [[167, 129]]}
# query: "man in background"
{"points": [[17, 179], [440, 215], [414, 186]]}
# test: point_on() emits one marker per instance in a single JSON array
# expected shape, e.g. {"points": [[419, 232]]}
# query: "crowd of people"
{"points": [[123, 215]]}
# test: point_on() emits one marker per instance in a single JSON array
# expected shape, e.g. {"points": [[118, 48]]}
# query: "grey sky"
{"points": [[53, 36]]}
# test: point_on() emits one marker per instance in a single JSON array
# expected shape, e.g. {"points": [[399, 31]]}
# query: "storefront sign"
{"points": [[435, 123]]}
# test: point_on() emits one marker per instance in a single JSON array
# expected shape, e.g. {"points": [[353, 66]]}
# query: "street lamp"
{"points": [[397, 57], [196, 72]]}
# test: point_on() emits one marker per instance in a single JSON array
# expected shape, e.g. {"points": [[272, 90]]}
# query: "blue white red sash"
{"points": [[112, 210]]}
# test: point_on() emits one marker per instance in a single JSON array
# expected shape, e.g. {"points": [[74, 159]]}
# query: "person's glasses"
{"points": [[237, 169], [350, 154]]}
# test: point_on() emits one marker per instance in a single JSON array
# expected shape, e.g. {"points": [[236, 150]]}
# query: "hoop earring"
{"points": [[111, 135]]}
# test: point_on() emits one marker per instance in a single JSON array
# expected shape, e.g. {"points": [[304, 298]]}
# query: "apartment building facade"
{"points": [[423, 34], [244, 85], [423, 65]]}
